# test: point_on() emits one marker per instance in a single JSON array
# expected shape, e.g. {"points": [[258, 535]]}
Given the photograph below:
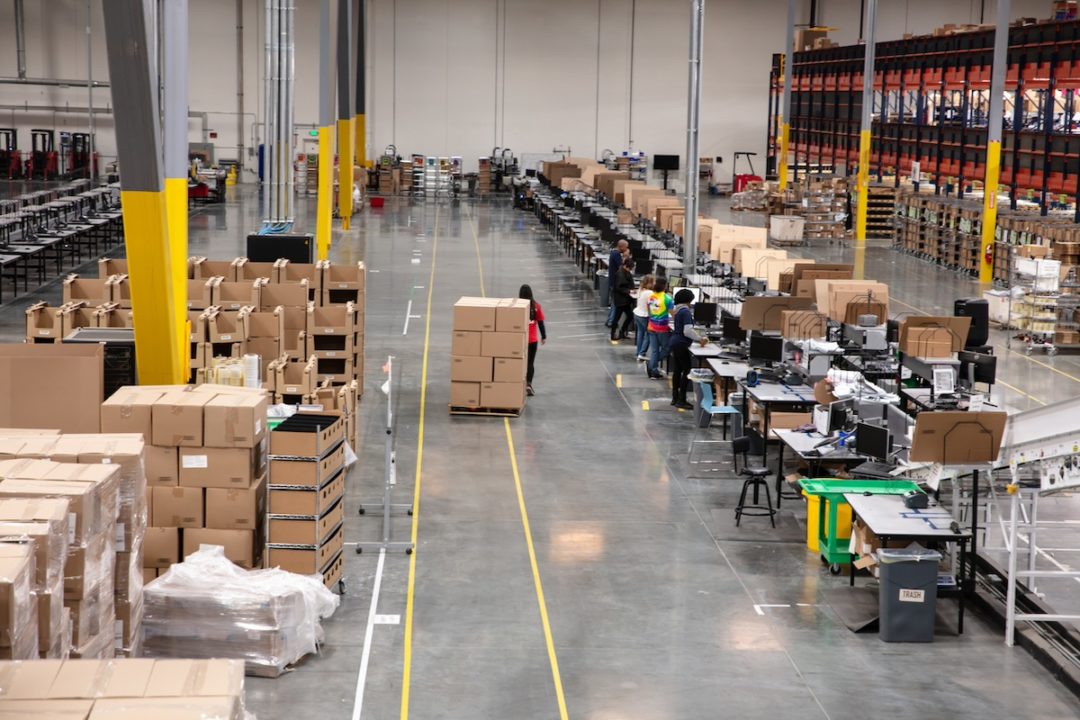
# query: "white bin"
{"points": [[786, 228]]}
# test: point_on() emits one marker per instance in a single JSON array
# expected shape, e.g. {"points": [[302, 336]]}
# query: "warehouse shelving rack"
{"points": [[930, 108]]}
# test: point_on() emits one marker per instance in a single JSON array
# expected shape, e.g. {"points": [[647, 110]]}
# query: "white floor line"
{"points": [[361, 676], [408, 314]]}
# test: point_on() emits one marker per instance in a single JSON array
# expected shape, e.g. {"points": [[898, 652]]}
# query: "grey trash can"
{"points": [[907, 596], [604, 293]]}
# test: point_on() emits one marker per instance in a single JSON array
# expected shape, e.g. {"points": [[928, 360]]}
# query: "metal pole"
{"points": [[995, 120], [324, 200], [866, 123], [20, 38], [174, 71], [239, 87], [785, 114], [89, 88], [697, 12], [267, 165]]}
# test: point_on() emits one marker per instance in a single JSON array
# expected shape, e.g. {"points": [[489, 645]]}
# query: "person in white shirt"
{"points": [[641, 316]]}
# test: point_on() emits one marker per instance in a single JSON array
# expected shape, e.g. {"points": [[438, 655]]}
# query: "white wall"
{"points": [[458, 77]]}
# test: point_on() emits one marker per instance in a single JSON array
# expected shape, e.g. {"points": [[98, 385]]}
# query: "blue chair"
{"points": [[712, 410]]}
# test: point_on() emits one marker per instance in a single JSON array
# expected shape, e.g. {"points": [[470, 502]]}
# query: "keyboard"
{"points": [[874, 470]]}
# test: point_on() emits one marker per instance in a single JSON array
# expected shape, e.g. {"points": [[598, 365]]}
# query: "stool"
{"points": [[756, 480]]}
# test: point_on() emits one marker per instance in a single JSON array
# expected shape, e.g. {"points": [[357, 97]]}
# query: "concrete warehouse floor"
{"points": [[658, 606]]}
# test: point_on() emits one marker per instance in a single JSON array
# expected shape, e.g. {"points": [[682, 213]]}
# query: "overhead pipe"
{"points": [[20, 37], [51, 82]]}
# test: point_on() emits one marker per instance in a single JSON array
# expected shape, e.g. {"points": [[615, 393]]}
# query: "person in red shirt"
{"points": [[537, 333]]}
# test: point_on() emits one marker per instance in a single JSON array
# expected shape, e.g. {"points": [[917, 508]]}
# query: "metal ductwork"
{"points": [[278, 180], [20, 37]]}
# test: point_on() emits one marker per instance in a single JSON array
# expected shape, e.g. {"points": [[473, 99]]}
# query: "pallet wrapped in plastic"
{"points": [[207, 607], [18, 607]]}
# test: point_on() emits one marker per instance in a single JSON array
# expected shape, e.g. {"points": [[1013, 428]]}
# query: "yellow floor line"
{"points": [[1018, 390], [552, 659], [645, 405], [406, 673], [618, 380]]}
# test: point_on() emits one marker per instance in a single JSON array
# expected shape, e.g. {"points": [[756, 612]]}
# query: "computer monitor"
{"points": [[665, 162], [872, 441], [732, 331], [756, 285], [898, 422], [977, 367], [643, 265], [694, 290], [766, 348], [530, 172], [705, 314], [841, 415]]}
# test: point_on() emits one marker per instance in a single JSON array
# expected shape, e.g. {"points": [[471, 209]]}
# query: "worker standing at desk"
{"points": [[683, 334], [615, 258]]}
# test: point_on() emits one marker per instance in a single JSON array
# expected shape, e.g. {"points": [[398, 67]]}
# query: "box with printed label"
{"points": [[509, 370], [507, 395], [512, 315], [219, 467], [162, 466], [475, 314], [470, 369], [465, 343], [178, 419], [161, 546], [465, 394], [236, 509], [235, 421], [178, 507], [497, 344]]}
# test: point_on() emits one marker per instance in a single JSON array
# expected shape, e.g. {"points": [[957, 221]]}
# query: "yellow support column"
{"points": [[323, 211], [862, 190], [989, 216], [176, 214], [345, 171], [781, 167], [153, 296], [993, 143], [785, 111]]}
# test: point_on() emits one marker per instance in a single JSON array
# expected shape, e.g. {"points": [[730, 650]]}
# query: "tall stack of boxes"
{"points": [[306, 506], [205, 468], [488, 354], [483, 177]]}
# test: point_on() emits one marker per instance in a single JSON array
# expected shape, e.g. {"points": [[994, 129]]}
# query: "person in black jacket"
{"points": [[623, 300], [615, 258], [682, 335]]}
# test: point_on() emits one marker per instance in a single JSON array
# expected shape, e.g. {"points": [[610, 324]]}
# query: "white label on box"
{"points": [[226, 337], [195, 462], [912, 596], [44, 332], [121, 546], [331, 353], [118, 631], [71, 528], [976, 403], [328, 331], [106, 461], [258, 426]]}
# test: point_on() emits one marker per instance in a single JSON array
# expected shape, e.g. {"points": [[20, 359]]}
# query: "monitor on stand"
{"points": [[977, 368], [872, 441], [766, 349], [732, 330], [666, 164], [705, 314]]}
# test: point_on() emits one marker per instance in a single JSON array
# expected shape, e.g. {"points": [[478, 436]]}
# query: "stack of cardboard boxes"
{"points": [[483, 177], [488, 354], [123, 689], [205, 467], [307, 471]]}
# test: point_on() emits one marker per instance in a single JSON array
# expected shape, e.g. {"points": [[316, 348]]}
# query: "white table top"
{"points": [[887, 516]]}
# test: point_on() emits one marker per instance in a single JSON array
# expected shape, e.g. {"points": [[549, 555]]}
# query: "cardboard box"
{"points": [[50, 548], [129, 410], [497, 344], [235, 421], [27, 680], [196, 678], [941, 335], [465, 343], [92, 291], [179, 708], [239, 544], [476, 314], [285, 501], [512, 315], [204, 268], [162, 466], [508, 395], [788, 420], [93, 679], [46, 709], [266, 323], [178, 507], [307, 562], [509, 370], [87, 500], [53, 513], [471, 369], [161, 547], [236, 509], [802, 324], [52, 385], [178, 419], [956, 437], [287, 295], [305, 531], [856, 310], [294, 378], [465, 394], [229, 295], [333, 319], [208, 467], [306, 473], [765, 313]]}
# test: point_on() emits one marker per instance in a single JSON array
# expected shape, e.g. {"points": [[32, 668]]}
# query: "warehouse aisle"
{"points": [[658, 607]]}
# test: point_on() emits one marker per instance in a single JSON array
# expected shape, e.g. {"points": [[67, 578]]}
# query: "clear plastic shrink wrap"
{"points": [[208, 607]]}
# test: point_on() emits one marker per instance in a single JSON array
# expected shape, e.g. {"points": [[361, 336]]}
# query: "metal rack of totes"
{"points": [[305, 518], [1034, 292], [388, 509], [930, 107]]}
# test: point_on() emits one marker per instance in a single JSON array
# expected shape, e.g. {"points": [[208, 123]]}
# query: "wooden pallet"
{"points": [[485, 412]]}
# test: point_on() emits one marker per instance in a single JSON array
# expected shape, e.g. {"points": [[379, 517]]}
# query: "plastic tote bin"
{"points": [[786, 228], [907, 596], [813, 513]]}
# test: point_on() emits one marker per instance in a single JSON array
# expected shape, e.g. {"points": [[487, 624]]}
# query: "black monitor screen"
{"points": [[756, 285], [977, 367], [766, 348], [731, 329], [643, 265], [705, 313], [841, 414], [665, 162], [872, 441], [530, 173]]}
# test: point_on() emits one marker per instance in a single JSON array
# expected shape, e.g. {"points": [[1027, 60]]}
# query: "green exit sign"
{"points": [[313, 133]]}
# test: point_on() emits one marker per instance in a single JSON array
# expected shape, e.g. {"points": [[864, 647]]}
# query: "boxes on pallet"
{"points": [[252, 270], [233, 295], [229, 327], [52, 324], [92, 291], [203, 269], [289, 295], [111, 315], [343, 283], [292, 378], [489, 345], [290, 272], [200, 293]]}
